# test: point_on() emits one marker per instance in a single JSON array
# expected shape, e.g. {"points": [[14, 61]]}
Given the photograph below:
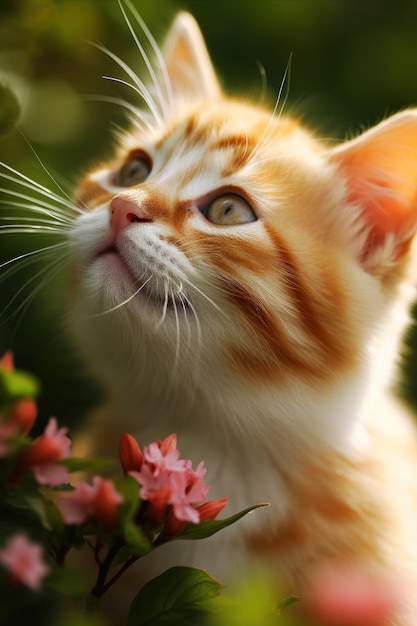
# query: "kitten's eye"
{"points": [[229, 209], [135, 171]]}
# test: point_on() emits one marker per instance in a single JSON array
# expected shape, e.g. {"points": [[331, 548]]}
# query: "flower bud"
{"points": [[41, 451], [210, 510], [7, 362], [168, 444], [106, 502], [24, 414], [130, 454]]}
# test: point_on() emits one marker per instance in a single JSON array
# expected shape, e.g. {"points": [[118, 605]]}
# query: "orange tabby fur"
{"points": [[278, 372]]}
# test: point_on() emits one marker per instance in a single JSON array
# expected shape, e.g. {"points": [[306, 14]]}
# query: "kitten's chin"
{"points": [[120, 286], [114, 268]]}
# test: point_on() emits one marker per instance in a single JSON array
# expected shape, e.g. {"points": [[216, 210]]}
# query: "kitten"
{"points": [[244, 285]]}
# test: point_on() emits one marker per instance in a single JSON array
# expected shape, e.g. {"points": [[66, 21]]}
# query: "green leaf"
{"points": [[68, 583], [87, 465], [54, 516], [16, 385], [180, 596], [128, 487], [38, 506], [136, 540], [206, 529]]}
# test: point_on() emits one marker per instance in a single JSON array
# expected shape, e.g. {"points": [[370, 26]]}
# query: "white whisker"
{"points": [[13, 269], [33, 229], [139, 119], [122, 304], [61, 244], [23, 305], [169, 99], [57, 218], [164, 307], [216, 306], [46, 170], [139, 84], [183, 300], [197, 321], [146, 60], [261, 142], [272, 158], [177, 336], [29, 183]]}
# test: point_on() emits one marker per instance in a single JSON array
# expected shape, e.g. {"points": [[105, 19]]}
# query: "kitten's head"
{"points": [[225, 244]]}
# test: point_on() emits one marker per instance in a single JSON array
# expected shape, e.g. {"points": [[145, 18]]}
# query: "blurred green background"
{"points": [[353, 63]]}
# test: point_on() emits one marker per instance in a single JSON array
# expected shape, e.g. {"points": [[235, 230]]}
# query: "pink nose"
{"points": [[125, 212]]}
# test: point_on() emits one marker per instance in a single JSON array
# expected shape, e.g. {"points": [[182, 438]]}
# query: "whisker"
{"points": [[164, 307], [197, 321], [261, 141], [33, 229], [58, 218], [158, 55], [272, 158], [24, 287], [177, 336], [122, 304], [24, 305], [46, 170], [139, 119], [29, 183], [182, 298], [39, 251], [141, 86], [264, 82], [14, 269], [145, 58], [203, 294]]}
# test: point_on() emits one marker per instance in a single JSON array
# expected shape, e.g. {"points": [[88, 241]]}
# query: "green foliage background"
{"points": [[353, 63]]}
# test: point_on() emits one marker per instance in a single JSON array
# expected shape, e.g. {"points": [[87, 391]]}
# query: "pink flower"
{"points": [[187, 490], [96, 503], [348, 597], [166, 480], [42, 455], [23, 559]]}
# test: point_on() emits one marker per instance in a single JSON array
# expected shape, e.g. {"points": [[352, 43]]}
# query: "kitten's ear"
{"points": [[380, 167], [188, 63]]}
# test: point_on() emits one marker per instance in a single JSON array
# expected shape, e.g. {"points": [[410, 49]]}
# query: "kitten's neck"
{"points": [[283, 423]]}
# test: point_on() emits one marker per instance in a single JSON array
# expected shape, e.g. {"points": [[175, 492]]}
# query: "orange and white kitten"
{"points": [[246, 286]]}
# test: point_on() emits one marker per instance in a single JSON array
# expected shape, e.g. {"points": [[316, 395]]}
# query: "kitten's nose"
{"points": [[125, 212]]}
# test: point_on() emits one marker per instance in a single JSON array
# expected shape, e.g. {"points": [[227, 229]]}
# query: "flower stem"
{"points": [[102, 586]]}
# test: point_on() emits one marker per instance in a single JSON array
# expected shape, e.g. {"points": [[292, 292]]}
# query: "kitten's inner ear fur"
{"points": [[188, 63], [380, 168]]}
